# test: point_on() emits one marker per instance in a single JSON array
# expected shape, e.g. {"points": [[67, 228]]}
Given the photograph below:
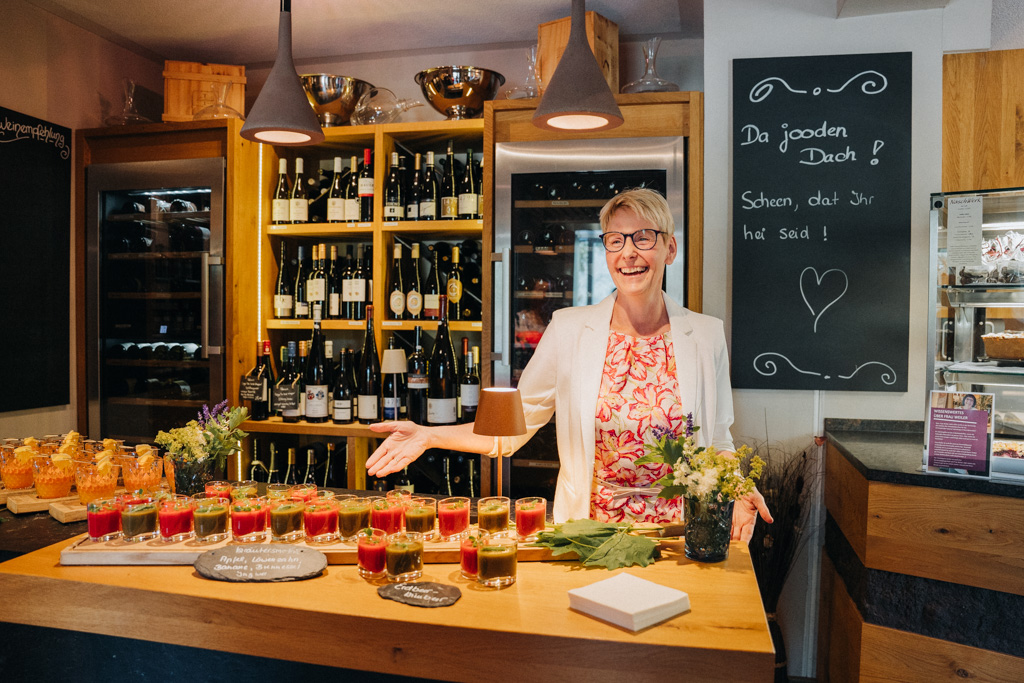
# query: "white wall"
{"points": [[61, 73], [775, 28]]}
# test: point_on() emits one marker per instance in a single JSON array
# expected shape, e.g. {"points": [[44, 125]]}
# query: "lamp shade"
{"points": [[500, 413], [393, 362], [281, 114], [578, 97]]}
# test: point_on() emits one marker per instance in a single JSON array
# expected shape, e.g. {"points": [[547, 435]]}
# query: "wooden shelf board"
{"points": [[454, 326], [472, 226], [167, 402], [276, 425], [321, 230], [285, 324], [139, 363]]}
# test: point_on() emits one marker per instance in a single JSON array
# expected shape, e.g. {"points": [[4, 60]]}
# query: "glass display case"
{"points": [[977, 306]]}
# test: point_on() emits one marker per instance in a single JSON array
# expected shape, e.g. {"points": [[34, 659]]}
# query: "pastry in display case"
{"points": [[977, 305]]}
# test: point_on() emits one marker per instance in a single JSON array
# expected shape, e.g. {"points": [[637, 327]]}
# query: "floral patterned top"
{"points": [[638, 403]]}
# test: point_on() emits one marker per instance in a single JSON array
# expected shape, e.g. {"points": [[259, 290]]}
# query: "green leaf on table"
{"points": [[599, 543]]}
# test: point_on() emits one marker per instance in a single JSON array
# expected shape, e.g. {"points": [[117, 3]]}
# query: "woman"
{"points": [[617, 375]]}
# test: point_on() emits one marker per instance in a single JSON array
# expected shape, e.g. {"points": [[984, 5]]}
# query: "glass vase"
{"points": [[708, 529], [379, 105], [188, 478], [650, 82], [128, 115], [530, 87]]}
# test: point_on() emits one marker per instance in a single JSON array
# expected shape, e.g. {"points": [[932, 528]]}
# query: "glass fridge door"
{"points": [[558, 259], [158, 287]]}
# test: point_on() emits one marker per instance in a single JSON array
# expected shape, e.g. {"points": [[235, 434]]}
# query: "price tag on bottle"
{"points": [[286, 397], [252, 389]]}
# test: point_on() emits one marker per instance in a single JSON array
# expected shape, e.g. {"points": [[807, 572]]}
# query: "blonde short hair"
{"points": [[645, 203]]}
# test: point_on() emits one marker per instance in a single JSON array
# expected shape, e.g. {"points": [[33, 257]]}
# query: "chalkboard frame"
{"points": [[35, 240], [821, 201]]}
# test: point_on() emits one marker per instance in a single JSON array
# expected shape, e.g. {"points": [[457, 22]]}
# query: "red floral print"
{"points": [[637, 404]]}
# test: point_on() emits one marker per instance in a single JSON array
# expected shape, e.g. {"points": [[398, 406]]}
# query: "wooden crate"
{"points": [[602, 34], [189, 86]]}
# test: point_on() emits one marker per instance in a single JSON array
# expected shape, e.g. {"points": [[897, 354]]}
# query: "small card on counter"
{"points": [[628, 601]]}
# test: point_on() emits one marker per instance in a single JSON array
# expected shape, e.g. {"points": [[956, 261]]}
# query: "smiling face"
{"points": [[635, 272]]}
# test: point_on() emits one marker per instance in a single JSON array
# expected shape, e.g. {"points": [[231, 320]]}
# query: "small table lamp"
{"points": [[500, 414], [393, 363]]}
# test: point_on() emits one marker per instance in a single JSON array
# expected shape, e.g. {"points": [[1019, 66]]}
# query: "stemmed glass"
{"points": [[650, 82]]}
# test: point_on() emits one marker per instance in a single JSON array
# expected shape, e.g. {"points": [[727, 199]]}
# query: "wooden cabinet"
{"points": [[347, 141]]}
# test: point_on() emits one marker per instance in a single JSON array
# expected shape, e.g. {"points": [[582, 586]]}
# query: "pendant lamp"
{"points": [[578, 97], [281, 114]]}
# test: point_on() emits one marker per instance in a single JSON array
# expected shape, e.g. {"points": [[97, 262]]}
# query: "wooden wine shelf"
{"points": [[454, 325], [321, 230], [276, 425], [286, 324], [159, 216], [437, 229], [164, 402]]}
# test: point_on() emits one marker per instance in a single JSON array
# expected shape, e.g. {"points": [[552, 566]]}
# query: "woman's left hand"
{"points": [[744, 515]]}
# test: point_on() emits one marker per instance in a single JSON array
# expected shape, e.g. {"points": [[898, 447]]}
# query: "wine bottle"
{"points": [[358, 285], [469, 192], [416, 382], [300, 304], [291, 378], [300, 372], [346, 285], [333, 286], [413, 292], [329, 376], [343, 390], [291, 474], [453, 288], [309, 478], [479, 187], [299, 199], [469, 382], [316, 283], [429, 191], [273, 469], [352, 192], [368, 380], [336, 197], [393, 391], [280, 207], [449, 187], [263, 371], [402, 481], [396, 300], [315, 374], [442, 374], [257, 468], [366, 188], [432, 293], [394, 195], [412, 196], [283, 290], [282, 370]]}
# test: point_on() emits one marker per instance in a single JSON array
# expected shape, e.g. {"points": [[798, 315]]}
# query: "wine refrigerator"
{"points": [[548, 253], [155, 297]]}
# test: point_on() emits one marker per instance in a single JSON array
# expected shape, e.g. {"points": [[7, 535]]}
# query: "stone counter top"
{"points": [[891, 451]]}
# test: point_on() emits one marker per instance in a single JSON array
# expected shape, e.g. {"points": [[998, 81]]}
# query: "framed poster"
{"points": [[959, 434]]}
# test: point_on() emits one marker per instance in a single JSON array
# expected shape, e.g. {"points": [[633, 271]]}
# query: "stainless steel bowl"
{"points": [[333, 97], [459, 92]]}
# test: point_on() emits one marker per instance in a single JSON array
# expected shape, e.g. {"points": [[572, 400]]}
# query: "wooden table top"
{"points": [[523, 632]]}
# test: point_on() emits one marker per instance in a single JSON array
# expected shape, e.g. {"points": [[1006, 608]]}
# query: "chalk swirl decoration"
{"points": [[766, 366], [874, 83]]}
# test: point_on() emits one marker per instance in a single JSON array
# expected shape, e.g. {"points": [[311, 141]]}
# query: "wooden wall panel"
{"points": [[839, 644], [982, 120], [965, 538], [846, 498]]}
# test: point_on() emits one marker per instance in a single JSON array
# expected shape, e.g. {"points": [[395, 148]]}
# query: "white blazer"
{"points": [[564, 377]]}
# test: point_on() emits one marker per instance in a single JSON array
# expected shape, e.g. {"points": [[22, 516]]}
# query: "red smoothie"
{"points": [[175, 521], [452, 518], [103, 523], [529, 520]]}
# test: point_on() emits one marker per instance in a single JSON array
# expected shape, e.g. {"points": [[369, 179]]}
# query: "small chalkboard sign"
{"points": [[821, 222], [421, 594], [260, 563], [286, 397], [252, 389]]}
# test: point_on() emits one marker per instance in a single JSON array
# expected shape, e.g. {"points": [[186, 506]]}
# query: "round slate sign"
{"points": [[261, 563], [421, 594]]}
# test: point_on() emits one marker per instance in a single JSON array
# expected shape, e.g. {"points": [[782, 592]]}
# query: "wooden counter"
{"points": [[524, 632]]}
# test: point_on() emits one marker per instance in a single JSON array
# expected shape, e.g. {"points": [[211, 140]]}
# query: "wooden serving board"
{"points": [[20, 503], [66, 511], [85, 552], [7, 493]]}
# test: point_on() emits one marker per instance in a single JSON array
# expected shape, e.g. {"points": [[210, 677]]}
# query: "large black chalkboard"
{"points": [[35, 262], [821, 222]]}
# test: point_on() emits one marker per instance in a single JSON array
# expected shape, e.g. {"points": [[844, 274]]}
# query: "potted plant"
{"points": [[196, 452]]}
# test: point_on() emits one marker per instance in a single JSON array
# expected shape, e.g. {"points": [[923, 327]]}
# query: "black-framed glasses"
{"points": [[642, 239]]}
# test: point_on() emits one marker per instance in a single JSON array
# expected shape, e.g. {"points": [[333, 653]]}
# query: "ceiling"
{"points": [[245, 31]]}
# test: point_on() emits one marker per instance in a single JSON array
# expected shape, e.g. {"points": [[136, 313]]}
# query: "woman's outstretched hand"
{"points": [[406, 442], [744, 515]]}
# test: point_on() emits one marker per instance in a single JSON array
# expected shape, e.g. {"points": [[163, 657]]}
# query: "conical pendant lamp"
{"points": [[281, 114], [578, 97]]}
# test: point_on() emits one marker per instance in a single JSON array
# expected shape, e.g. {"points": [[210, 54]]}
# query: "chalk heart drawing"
{"points": [[821, 292]]}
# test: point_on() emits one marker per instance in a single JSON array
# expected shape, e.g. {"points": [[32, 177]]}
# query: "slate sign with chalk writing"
{"points": [[821, 222], [421, 593], [259, 563], [35, 245]]}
